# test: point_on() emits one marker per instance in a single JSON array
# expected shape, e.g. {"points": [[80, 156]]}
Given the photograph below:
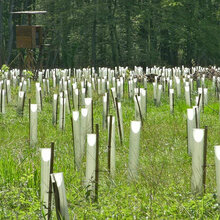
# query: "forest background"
{"points": [[92, 33]]}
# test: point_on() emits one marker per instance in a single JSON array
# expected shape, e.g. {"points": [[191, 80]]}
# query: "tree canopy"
{"points": [[110, 33]]}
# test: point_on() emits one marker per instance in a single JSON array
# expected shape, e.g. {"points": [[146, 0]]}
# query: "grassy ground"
{"points": [[161, 191]]}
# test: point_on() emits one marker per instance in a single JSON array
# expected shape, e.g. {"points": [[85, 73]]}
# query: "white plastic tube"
{"points": [[62, 113], [77, 144], [112, 161], [45, 178], [191, 124], [131, 88], [197, 161], [88, 105], [83, 128], [178, 86], [217, 168], [33, 125], [99, 86], [48, 86], [104, 112], [113, 94], [8, 90], [143, 103], [118, 89], [67, 106], [137, 104], [134, 149], [121, 87], [89, 90], [54, 81], [3, 101], [76, 99], [20, 102], [59, 180], [155, 91], [54, 116], [171, 96], [83, 95], [103, 86], [38, 97], [187, 95], [121, 119], [197, 116], [205, 96], [159, 91], [90, 163]]}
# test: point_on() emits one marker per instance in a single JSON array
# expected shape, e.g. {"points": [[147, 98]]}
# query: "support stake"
{"points": [[97, 164], [50, 184], [204, 159]]}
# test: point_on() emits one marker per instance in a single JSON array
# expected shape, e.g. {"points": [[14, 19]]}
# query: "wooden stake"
{"points": [[6, 91], [92, 117], [128, 89], [118, 117], [97, 164], [1, 99], [79, 94], [86, 93], [107, 109], [57, 198], [41, 101], [187, 149], [113, 98], [63, 113], [146, 104], [68, 99], [58, 99], [50, 183], [72, 96], [123, 87], [139, 109], [71, 118], [23, 104], [196, 118], [203, 98], [168, 84], [204, 158], [29, 120], [199, 100], [109, 144], [190, 95]]}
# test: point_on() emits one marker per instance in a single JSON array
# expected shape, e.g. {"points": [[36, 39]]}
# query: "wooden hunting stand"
{"points": [[29, 37]]}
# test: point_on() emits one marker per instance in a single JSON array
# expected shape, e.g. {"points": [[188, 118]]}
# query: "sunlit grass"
{"points": [[162, 189]]}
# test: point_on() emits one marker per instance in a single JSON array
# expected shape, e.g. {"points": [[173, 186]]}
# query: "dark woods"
{"points": [[81, 33]]}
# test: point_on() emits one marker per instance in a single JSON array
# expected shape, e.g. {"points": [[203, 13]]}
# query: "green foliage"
{"points": [[171, 3], [126, 32], [28, 74], [22, 200], [5, 68], [162, 190]]}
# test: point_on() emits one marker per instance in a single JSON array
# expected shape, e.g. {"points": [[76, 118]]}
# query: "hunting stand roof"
{"points": [[29, 12]]}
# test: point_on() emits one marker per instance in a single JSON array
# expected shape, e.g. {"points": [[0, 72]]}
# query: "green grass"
{"points": [[161, 191]]}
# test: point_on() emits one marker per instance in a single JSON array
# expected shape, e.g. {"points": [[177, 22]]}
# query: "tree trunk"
{"points": [[149, 39], [94, 36], [1, 33], [113, 35], [10, 24], [128, 33]]}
